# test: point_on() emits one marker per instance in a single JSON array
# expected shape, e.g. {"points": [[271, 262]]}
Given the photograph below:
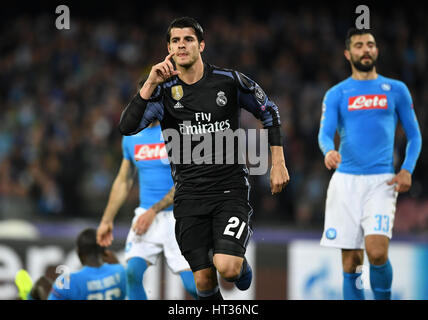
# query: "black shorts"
{"points": [[224, 227]]}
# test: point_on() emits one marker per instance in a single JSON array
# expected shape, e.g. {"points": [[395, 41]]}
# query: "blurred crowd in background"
{"points": [[62, 93]]}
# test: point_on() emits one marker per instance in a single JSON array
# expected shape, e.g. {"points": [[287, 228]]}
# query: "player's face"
{"points": [[185, 44], [363, 52]]}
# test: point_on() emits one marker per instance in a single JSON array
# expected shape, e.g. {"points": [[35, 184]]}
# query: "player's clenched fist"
{"points": [[279, 178], [332, 159], [162, 71]]}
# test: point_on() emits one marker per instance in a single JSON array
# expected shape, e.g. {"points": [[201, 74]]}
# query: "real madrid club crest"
{"points": [[221, 99], [177, 92]]}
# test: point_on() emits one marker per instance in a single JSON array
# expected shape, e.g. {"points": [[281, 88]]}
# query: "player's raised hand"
{"points": [[144, 221], [332, 159], [105, 234], [162, 71], [402, 180], [279, 178]]}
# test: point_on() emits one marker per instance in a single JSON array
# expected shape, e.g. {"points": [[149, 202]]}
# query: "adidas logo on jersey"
{"points": [[368, 101], [178, 105]]}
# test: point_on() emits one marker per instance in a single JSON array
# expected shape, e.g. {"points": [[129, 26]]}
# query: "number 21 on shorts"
{"points": [[382, 223], [233, 224]]}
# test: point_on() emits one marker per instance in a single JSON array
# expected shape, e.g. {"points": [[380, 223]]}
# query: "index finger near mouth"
{"points": [[169, 56]]}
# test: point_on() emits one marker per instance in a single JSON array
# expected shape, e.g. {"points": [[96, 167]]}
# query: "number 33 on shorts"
{"points": [[382, 223], [235, 227]]}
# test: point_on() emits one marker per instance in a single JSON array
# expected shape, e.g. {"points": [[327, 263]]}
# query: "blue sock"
{"points": [[381, 281], [244, 279], [189, 283], [213, 294], [350, 289], [134, 279]]}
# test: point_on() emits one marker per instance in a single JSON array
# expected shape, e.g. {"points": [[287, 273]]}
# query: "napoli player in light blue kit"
{"points": [[153, 227], [361, 197], [97, 280]]}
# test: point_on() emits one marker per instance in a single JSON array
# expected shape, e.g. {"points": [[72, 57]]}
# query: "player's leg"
{"points": [[379, 213], [194, 238], [232, 231], [228, 266], [135, 269], [234, 269], [139, 255], [352, 260], [380, 267], [189, 283], [204, 273], [342, 230], [207, 284], [174, 259]]}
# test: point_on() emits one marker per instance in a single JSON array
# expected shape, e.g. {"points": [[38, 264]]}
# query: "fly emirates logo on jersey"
{"points": [[368, 101], [155, 151], [203, 125]]}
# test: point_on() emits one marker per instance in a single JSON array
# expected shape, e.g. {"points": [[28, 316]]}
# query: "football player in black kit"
{"points": [[211, 205]]}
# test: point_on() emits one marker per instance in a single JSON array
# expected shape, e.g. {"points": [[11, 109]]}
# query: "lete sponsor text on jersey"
{"points": [[154, 151], [368, 101]]}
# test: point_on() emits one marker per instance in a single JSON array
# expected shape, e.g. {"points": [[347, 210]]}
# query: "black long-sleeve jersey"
{"points": [[192, 117]]}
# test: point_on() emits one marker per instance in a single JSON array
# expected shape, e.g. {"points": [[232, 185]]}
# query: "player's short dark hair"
{"points": [[186, 22], [354, 31], [87, 243]]}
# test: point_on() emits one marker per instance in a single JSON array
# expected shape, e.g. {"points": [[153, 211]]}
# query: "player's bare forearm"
{"points": [[279, 176], [116, 199], [277, 153], [147, 89], [119, 191], [118, 195], [165, 202]]}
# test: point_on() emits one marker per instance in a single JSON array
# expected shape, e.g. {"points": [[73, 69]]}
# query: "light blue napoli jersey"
{"points": [[365, 114], [107, 282], [146, 150]]}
